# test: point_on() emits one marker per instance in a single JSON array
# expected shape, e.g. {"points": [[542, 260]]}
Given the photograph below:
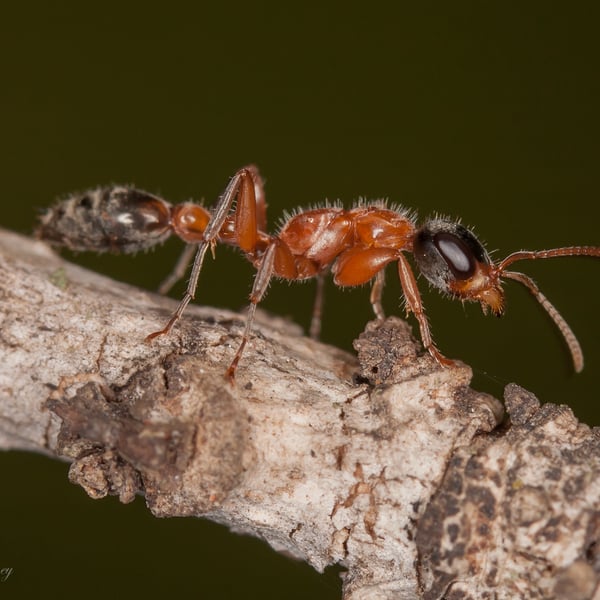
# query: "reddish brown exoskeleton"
{"points": [[355, 244]]}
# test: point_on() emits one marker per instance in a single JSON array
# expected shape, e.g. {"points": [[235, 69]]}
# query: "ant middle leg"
{"points": [[317, 313], [376, 293]]}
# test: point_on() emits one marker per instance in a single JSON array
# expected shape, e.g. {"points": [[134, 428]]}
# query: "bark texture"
{"points": [[385, 463]]}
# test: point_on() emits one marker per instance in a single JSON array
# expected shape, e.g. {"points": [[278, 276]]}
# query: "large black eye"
{"points": [[456, 253], [446, 251]]}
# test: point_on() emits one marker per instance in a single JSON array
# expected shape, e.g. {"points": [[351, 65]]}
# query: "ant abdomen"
{"points": [[109, 219]]}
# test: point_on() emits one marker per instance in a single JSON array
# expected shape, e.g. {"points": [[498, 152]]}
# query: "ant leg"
{"points": [[189, 294], [179, 271], [563, 326], [315, 322], [259, 195], [261, 283], [376, 293], [241, 183], [415, 304]]}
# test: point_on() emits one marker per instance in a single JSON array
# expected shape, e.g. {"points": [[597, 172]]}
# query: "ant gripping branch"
{"points": [[356, 244]]}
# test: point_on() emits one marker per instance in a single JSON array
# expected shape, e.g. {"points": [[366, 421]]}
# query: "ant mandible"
{"points": [[355, 244]]}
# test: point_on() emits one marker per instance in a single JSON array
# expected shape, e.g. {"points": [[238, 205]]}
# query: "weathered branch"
{"points": [[390, 466]]}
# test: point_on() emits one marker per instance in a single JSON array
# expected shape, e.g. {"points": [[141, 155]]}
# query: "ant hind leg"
{"points": [[259, 288], [179, 271], [242, 184]]}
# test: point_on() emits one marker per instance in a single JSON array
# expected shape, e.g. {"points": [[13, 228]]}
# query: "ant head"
{"points": [[454, 261]]}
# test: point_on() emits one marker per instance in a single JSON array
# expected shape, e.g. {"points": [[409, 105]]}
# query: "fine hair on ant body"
{"points": [[355, 244]]}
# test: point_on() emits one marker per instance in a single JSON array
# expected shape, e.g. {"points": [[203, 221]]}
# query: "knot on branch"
{"points": [[163, 434]]}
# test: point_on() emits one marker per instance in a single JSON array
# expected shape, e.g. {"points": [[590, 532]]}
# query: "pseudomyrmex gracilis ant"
{"points": [[355, 244]]}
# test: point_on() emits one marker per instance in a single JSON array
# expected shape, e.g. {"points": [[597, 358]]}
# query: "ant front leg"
{"points": [[415, 305], [241, 185]]}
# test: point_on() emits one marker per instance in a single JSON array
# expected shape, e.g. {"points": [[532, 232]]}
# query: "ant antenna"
{"points": [[559, 321]]}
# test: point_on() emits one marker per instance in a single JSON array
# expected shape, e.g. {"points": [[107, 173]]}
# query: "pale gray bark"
{"points": [[387, 464]]}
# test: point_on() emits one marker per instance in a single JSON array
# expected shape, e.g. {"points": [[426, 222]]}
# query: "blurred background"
{"points": [[485, 113]]}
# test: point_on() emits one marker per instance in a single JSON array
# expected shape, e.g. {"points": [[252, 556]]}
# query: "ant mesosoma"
{"points": [[355, 244]]}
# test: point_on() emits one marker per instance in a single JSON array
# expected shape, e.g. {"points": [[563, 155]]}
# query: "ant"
{"points": [[355, 244]]}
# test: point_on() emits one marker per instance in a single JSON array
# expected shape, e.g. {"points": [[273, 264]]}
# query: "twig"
{"points": [[389, 465]]}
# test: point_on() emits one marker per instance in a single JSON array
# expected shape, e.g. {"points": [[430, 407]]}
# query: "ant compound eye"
{"points": [[456, 253], [447, 252]]}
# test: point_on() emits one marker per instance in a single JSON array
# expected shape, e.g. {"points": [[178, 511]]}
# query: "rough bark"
{"points": [[387, 464]]}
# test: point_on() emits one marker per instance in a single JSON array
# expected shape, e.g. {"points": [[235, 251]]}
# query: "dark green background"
{"points": [[490, 114]]}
